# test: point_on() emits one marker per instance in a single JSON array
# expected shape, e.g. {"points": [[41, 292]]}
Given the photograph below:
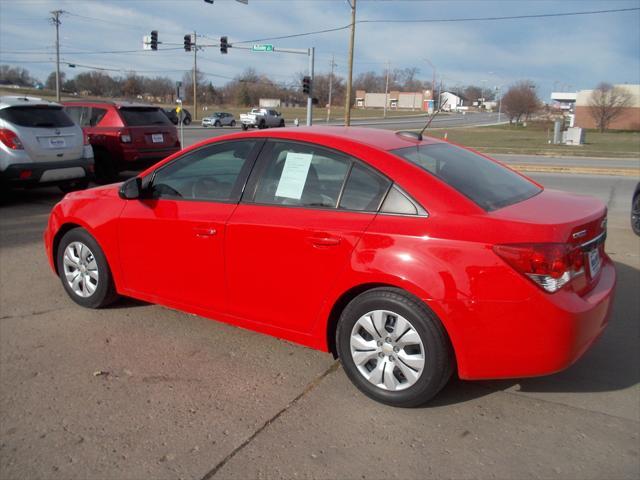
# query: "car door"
{"points": [[294, 232], [171, 240]]}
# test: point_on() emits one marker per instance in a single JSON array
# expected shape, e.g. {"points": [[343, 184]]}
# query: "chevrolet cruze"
{"points": [[407, 258]]}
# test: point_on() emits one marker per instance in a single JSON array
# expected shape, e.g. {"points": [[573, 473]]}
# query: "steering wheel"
{"points": [[205, 187]]}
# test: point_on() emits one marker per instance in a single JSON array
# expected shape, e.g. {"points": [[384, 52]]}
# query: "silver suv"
{"points": [[40, 145]]}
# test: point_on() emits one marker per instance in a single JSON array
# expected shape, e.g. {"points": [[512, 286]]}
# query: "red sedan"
{"points": [[407, 258]]}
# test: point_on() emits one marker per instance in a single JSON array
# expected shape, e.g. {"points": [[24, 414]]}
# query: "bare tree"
{"points": [[606, 103], [521, 100]]}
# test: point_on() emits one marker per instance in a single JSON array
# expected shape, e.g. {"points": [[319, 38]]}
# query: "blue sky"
{"points": [[563, 52]]}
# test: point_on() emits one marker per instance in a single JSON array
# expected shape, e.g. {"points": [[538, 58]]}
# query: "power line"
{"points": [[445, 20]]}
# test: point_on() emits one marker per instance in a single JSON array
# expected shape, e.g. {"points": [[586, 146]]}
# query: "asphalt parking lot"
{"points": [[140, 391]]}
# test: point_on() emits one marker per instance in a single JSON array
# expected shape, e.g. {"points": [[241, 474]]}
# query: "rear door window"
{"points": [[487, 183], [143, 116], [37, 116], [302, 175]]}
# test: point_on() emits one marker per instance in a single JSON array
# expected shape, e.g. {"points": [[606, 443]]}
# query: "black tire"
{"points": [[74, 186], [217, 124], [635, 215], [439, 359], [186, 121], [105, 292], [233, 123], [262, 125], [282, 123], [106, 171], [244, 127]]}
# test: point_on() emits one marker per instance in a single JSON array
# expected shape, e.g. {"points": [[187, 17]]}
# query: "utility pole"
{"points": [[333, 64], [386, 92], [311, 52], [195, 77], [55, 20], [347, 107]]}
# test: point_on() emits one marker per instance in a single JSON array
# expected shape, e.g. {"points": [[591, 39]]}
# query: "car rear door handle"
{"points": [[324, 241], [205, 231]]}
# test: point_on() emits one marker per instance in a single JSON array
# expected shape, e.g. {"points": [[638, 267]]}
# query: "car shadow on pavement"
{"points": [[613, 363]]}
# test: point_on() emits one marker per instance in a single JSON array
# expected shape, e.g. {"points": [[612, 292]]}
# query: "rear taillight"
{"points": [[549, 265], [10, 139], [85, 139]]}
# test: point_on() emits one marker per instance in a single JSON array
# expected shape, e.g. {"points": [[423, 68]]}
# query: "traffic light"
{"points": [[154, 40], [187, 43], [224, 44], [306, 85]]}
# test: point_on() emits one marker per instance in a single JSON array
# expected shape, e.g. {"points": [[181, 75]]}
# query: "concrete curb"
{"points": [[624, 172]]}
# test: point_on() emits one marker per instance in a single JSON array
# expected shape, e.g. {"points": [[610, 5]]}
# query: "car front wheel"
{"points": [[84, 271], [635, 215], [393, 348], [233, 123]]}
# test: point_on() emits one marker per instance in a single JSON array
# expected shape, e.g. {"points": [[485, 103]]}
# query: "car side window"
{"points": [[364, 190], [399, 203], [76, 114], [96, 115], [211, 173], [302, 175]]}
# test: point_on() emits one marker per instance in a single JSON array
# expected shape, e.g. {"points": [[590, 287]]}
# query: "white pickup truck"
{"points": [[261, 118]]}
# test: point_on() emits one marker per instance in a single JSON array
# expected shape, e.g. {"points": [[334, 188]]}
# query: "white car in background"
{"points": [[40, 145], [219, 119]]}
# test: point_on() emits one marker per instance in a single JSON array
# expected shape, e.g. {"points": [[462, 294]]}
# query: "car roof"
{"points": [[115, 103], [21, 100], [372, 137]]}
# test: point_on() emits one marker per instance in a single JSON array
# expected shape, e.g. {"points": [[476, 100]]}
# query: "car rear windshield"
{"points": [[143, 116], [37, 116], [487, 183]]}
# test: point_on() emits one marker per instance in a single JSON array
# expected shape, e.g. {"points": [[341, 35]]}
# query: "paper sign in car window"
{"points": [[294, 175]]}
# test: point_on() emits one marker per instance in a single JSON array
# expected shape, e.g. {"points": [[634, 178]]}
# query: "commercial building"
{"points": [[395, 100], [629, 119]]}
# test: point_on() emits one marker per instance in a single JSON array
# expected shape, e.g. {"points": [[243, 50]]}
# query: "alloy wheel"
{"points": [[80, 269]]}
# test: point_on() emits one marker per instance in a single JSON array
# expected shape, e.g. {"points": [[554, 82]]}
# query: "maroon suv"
{"points": [[124, 135]]}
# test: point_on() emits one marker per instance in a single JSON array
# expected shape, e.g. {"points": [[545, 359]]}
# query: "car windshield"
{"points": [[139, 116], [37, 116], [487, 183]]}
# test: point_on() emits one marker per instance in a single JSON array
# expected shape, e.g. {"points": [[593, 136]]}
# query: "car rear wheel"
{"points": [[105, 169], [84, 271], [393, 348], [74, 186], [233, 123], [186, 121], [635, 215]]}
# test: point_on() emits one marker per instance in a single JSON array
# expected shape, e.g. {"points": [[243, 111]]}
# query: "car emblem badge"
{"points": [[579, 234]]}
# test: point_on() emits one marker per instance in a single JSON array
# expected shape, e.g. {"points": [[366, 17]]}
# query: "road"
{"points": [[194, 133], [184, 397]]}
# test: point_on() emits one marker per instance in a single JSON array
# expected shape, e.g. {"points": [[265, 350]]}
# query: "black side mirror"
{"points": [[131, 189]]}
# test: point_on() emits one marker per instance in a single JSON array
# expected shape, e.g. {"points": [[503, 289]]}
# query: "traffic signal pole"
{"points": [[310, 96], [195, 77]]}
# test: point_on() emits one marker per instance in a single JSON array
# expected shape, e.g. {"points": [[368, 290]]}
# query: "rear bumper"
{"points": [[146, 157], [541, 336], [47, 173]]}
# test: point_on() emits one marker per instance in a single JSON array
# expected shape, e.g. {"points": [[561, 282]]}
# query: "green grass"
{"points": [[535, 137]]}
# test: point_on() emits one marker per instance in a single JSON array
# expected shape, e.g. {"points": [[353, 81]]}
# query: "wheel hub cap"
{"points": [[80, 269], [387, 350]]}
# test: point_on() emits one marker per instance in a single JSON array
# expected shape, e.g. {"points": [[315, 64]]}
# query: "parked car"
{"points": [[40, 145], [173, 115], [219, 119], [406, 258], [261, 118], [635, 210], [124, 135]]}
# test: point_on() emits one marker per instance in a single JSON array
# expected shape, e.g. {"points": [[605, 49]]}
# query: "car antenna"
{"points": [[418, 136]]}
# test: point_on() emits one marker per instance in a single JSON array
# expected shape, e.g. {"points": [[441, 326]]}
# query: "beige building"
{"points": [[628, 120], [395, 100]]}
